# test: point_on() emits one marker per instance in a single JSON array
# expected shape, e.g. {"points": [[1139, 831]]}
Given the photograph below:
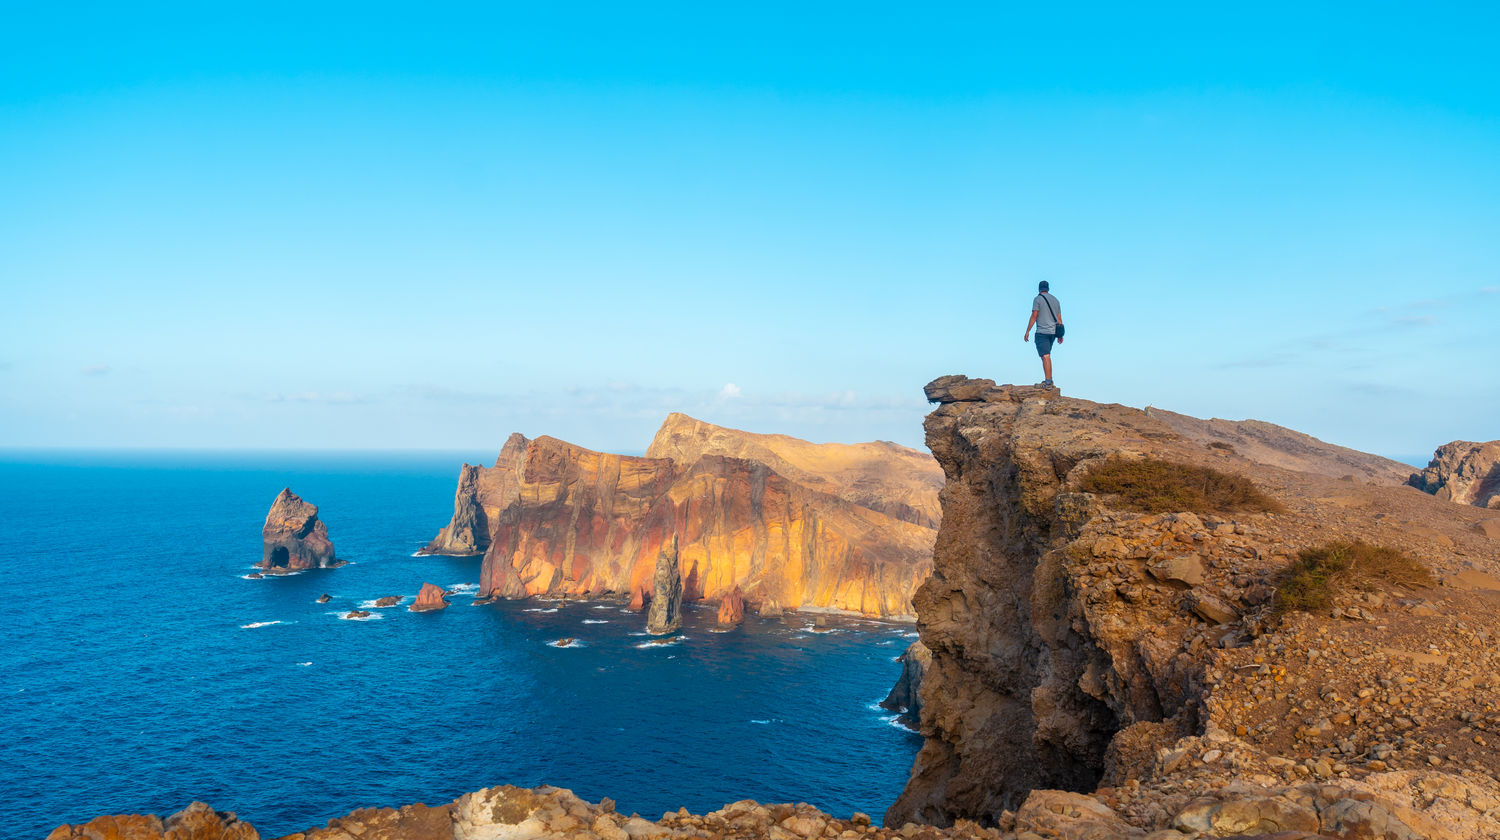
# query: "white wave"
{"points": [[660, 642], [540, 609], [604, 606], [462, 588], [304, 664], [565, 643], [596, 621], [911, 635], [767, 722], [895, 720], [255, 624], [371, 605]]}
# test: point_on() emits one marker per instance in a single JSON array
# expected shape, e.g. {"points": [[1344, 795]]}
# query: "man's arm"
{"points": [[1059, 319], [1029, 325]]}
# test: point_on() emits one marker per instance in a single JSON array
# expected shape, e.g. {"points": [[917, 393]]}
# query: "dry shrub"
{"points": [[1155, 486], [1320, 575]]}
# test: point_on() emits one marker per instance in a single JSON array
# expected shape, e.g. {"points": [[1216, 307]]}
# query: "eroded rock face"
{"points": [[665, 615], [732, 608], [568, 521], [1463, 472], [430, 597], [906, 695], [482, 494], [293, 537], [1075, 643]]}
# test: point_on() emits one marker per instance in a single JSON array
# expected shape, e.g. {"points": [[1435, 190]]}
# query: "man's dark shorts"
{"points": [[1044, 343]]}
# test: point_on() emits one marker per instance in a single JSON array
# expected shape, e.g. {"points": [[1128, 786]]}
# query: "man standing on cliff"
{"points": [[1046, 316]]}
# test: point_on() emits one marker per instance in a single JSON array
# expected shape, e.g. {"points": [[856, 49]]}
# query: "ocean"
{"points": [[140, 670]]}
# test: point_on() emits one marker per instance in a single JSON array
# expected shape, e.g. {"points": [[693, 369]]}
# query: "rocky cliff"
{"points": [[1082, 645], [293, 537], [559, 519], [1463, 472], [482, 494]]}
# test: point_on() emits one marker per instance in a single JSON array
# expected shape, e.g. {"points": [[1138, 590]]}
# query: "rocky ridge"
{"points": [[844, 532]]}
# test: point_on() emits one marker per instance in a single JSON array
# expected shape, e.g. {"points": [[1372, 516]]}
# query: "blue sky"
{"points": [[357, 226]]}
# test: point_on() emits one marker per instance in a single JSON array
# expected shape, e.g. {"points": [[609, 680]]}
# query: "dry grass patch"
{"points": [[1155, 486], [1320, 575]]}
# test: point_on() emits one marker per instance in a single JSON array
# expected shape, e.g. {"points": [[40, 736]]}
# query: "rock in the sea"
{"points": [[906, 695], [430, 597], [769, 608], [637, 601], [665, 615], [388, 600], [324, 598], [732, 607], [358, 614], [1465, 472], [294, 538]]}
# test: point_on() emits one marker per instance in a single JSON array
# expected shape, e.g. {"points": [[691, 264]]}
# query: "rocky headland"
{"points": [[790, 523], [1107, 663], [293, 537], [1464, 472]]}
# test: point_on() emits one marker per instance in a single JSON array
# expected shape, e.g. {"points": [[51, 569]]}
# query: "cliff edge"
{"points": [[1139, 658]]}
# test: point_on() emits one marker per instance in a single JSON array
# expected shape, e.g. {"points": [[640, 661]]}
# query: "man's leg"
{"points": [[1047, 367]]}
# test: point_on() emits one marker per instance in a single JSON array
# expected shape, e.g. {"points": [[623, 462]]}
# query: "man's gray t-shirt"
{"points": [[1046, 323]]}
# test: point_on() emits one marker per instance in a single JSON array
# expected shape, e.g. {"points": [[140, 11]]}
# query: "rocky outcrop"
{"points": [[665, 615], [482, 494], [568, 521], [732, 608], [1133, 660], [1412, 807], [293, 537], [430, 597], [1463, 472], [195, 822], [906, 695]]}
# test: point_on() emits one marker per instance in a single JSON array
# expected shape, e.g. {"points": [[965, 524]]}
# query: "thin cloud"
{"points": [[95, 370], [1417, 321], [730, 391], [320, 397]]}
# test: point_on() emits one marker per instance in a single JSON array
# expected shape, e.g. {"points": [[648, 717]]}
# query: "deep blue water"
{"points": [[131, 682]]}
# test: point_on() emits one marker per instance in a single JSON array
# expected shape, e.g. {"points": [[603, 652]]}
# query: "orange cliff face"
{"points": [[564, 520]]}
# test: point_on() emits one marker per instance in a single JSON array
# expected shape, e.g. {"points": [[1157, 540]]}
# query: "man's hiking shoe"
{"points": [[1047, 383]]}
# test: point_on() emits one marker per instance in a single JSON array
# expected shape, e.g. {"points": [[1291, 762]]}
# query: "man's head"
{"points": [[1042, 286]]}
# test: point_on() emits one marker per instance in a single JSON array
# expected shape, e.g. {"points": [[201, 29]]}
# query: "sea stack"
{"points": [[732, 608], [906, 695], [294, 538], [431, 597], [666, 595]]}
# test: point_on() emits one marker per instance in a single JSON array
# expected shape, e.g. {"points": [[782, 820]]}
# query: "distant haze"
{"points": [[301, 228]]}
